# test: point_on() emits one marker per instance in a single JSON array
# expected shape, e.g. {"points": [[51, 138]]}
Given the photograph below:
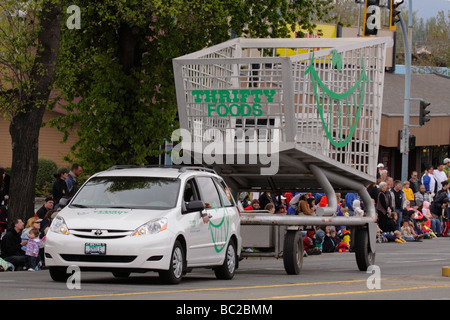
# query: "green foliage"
{"points": [[18, 45], [44, 177], [430, 36], [120, 64], [433, 35]]}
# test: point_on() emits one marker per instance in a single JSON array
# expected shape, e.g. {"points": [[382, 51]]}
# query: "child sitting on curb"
{"points": [[309, 243]]}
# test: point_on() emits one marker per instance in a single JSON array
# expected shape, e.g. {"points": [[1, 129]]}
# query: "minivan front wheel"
{"points": [[175, 272], [58, 274]]}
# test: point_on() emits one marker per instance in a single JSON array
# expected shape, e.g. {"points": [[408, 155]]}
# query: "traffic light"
{"points": [[372, 17], [423, 112], [412, 142], [393, 13]]}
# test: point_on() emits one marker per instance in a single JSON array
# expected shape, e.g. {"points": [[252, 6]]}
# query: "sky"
{"points": [[427, 8]]}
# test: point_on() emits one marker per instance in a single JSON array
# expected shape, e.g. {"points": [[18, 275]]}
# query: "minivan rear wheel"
{"points": [[227, 269]]}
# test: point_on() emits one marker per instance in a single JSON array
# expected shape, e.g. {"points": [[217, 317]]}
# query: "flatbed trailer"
{"points": [[279, 236]]}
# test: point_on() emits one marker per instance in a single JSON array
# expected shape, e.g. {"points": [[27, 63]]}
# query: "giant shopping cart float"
{"points": [[281, 115]]}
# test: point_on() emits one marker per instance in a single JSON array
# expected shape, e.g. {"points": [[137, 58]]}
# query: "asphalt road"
{"points": [[403, 271]]}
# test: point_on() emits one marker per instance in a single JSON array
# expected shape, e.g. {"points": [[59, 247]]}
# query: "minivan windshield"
{"points": [[128, 193]]}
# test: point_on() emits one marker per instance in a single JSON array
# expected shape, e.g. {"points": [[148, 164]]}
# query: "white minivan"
{"points": [[138, 219]]}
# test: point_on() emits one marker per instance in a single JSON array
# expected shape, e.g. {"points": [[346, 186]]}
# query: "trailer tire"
{"points": [[293, 252], [364, 256]]}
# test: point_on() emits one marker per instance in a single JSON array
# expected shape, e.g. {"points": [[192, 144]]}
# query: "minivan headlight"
{"points": [[151, 227], [59, 226]]}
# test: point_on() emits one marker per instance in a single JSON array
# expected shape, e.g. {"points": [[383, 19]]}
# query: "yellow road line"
{"points": [[198, 290], [349, 292], [250, 288]]}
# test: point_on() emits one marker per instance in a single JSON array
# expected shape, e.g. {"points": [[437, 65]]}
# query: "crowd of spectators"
{"points": [[22, 245], [411, 210]]}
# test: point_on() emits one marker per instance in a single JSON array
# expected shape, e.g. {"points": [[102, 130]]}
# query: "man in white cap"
{"points": [[439, 176], [380, 167], [447, 167]]}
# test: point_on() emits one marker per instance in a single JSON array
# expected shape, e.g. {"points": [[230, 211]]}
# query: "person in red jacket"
{"points": [[254, 205], [309, 243], [288, 196]]}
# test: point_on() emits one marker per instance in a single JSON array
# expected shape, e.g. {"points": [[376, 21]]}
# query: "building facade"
{"points": [[432, 141]]}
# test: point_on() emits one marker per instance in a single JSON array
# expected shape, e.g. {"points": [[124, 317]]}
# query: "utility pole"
{"points": [[394, 17], [404, 144], [410, 28]]}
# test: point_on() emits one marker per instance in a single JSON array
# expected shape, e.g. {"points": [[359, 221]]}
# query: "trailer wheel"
{"points": [[293, 252], [364, 256]]}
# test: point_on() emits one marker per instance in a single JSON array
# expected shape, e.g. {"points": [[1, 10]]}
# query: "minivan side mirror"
{"points": [[195, 205]]}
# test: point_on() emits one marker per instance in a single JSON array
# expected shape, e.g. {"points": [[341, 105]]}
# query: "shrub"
{"points": [[45, 178]]}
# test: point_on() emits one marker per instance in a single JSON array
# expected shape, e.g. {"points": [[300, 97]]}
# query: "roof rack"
{"points": [[180, 168], [184, 169], [122, 166]]}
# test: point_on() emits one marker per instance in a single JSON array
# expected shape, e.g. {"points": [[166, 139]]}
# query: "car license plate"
{"points": [[95, 248]]}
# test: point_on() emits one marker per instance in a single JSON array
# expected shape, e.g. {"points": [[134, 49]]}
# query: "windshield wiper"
{"points": [[78, 205]]}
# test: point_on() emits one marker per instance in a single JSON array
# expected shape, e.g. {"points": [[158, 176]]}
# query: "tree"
{"points": [[437, 40], [431, 41], [120, 64], [431, 37], [29, 41], [347, 13]]}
